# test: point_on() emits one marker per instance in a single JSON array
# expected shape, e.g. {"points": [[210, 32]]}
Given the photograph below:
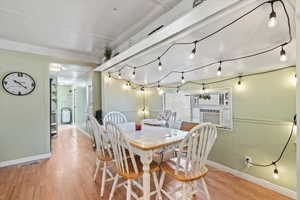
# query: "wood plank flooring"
{"points": [[68, 175]]}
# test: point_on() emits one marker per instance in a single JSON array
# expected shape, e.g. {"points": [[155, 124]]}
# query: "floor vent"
{"points": [[28, 164]]}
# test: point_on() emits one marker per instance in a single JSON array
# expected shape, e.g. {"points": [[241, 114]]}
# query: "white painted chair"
{"points": [[104, 153], [128, 166], [115, 117], [189, 165], [172, 120], [91, 130]]}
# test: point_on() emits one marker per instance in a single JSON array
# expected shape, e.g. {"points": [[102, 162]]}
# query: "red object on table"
{"points": [[138, 127]]}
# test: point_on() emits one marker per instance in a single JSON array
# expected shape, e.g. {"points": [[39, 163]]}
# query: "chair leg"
{"points": [[103, 179], [158, 191], [162, 179], [113, 187], [128, 189], [205, 189], [97, 169]]}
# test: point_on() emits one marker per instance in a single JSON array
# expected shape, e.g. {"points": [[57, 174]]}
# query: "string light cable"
{"points": [[282, 45], [275, 162]]}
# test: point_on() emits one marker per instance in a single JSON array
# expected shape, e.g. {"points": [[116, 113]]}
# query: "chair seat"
{"points": [[132, 174], [170, 168], [105, 157]]}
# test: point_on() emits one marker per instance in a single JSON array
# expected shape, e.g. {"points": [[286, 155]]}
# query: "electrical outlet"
{"points": [[248, 160]]}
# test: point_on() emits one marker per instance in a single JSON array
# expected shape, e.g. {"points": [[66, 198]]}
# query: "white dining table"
{"points": [[146, 142]]}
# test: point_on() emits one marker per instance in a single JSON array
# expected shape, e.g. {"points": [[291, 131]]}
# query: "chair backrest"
{"points": [[90, 128], [121, 149], [101, 139], [195, 148], [172, 120], [187, 126], [115, 117], [164, 115]]}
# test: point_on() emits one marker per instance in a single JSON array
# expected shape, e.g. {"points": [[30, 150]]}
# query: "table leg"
{"points": [[146, 159]]}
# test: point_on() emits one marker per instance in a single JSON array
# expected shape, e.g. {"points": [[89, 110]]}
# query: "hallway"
{"points": [[68, 175]]}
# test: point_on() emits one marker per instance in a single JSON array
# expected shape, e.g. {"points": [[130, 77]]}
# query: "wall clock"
{"points": [[18, 83]]}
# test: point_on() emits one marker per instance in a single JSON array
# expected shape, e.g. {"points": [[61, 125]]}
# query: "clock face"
{"points": [[18, 83]]}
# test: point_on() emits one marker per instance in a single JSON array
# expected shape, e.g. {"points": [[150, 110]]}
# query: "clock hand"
{"points": [[20, 84]]}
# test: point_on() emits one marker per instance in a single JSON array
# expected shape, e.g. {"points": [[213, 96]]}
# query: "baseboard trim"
{"points": [[83, 131], [266, 184], [24, 160]]}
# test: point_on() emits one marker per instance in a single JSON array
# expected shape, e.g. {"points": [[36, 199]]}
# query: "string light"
{"points": [[272, 17], [283, 56], [274, 163], [142, 89], [109, 76], [239, 83], [203, 87], [159, 64], [133, 73], [158, 86], [276, 173], [193, 53], [182, 78], [120, 75], [219, 72]]}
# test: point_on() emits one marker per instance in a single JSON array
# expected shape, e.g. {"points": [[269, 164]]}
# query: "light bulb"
{"points": [[133, 73], [272, 19], [120, 76], [177, 90], [275, 173], [109, 76], [142, 89], [159, 64], [192, 55], [219, 72], [283, 56], [182, 79], [161, 92]]}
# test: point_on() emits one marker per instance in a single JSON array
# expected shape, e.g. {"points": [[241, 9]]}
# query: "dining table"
{"points": [[148, 141]]}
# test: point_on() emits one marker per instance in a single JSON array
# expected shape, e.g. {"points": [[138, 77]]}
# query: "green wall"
{"points": [[262, 112], [116, 98], [24, 121], [24, 129]]}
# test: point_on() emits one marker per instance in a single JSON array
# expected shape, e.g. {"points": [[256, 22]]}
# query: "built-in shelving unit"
{"points": [[53, 107]]}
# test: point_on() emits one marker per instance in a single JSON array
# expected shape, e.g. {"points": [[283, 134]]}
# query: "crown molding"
{"points": [[45, 51]]}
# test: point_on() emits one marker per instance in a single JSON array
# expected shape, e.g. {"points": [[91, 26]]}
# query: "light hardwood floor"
{"points": [[68, 175]]}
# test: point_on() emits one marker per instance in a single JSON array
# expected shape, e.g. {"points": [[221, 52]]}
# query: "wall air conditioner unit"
{"points": [[214, 106]]}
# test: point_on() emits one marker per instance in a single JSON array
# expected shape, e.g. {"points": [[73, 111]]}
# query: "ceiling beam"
{"points": [[195, 19]]}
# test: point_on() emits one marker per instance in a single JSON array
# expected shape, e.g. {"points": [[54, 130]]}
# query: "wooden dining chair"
{"points": [[187, 126], [104, 153], [127, 165], [115, 117], [189, 166]]}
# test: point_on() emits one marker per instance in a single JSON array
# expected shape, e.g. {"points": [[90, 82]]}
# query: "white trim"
{"points": [[46, 51], [25, 159], [83, 131], [266, 184]]}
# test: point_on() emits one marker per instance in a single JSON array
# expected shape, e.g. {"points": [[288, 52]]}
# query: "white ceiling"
{"points": [[78, 29], [71, 74], [248, 36]]}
